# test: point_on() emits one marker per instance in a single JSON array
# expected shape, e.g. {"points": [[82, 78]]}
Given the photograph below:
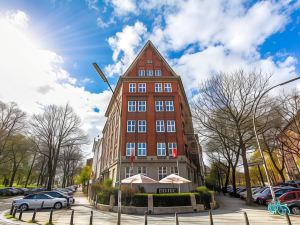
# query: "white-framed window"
{"points": [[161, 149], [132, 87], [142, 149], [141, 73], [130, 148], [169, 106], [158, 87], [162, 172], [142, 106], [131, 106], [142, 87], [149, 61], [157, 73], [160, 126], [171, 126], [142, 126], [142, 170], [174, 170], [128, 172], [171, 147], [159, 106], [130, 126], [168, 87], [149, 73]]}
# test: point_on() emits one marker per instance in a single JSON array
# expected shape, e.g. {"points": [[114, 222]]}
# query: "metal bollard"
{"points": [[50, 218], [176, 219], [288, 220], [91, 218], [72, 218], [11, 209], [211, 218], [33, 216], [246, 218], [146, 219], [15, 211], [20, 215]]}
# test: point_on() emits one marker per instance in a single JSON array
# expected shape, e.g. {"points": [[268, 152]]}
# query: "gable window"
{"points": [[170, 125], [132, 87], [142, 106], [131, 106], [159, 106], [142, 126], [130, 126], [158, 87], [130, 149], [168, 87], [157, 73], [141, 73], [142, 170], [162, 172], [149, 61], [160, 126], [142, 87], [149, 73], [171, 147], [142, 149], [169, 106], [161, 149]]}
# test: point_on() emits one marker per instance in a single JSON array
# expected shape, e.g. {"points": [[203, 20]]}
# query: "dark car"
{"points": [[294, 206], [10, 191], [294, 183]]}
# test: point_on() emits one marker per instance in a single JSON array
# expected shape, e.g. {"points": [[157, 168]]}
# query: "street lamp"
{"points": [[103, 77], [256, 136]]}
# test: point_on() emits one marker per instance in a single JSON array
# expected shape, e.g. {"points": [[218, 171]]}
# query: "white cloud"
{"points": [[92, 4], [101, 23], [124, 7], [125, 45], [32, 76]]}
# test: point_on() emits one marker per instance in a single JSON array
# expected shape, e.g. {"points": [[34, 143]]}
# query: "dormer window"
{"points": [[149, 73], [141, 73]]}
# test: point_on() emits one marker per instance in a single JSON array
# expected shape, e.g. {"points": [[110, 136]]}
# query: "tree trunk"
{"points": [[233, 175], [29, 172], [227, 178], [12, 178], [261, 176], [247, 174]]}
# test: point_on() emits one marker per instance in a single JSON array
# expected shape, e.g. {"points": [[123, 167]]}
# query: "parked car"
{"points": [[22, 191], [9, 191], [294, 206], [243, 194], [287, 197], [36, 200], [263, 197], [65, 191], [58, 194], [294, 183], [34, 191]]}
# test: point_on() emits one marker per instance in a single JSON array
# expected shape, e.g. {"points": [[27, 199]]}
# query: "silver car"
{"points": [[40, 200]]}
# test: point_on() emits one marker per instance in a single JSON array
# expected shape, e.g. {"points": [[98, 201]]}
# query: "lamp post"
{"points": [[256, 135], [103, 77]]}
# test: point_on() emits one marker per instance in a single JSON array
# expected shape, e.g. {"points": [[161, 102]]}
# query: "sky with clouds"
{"points": [[47, 47]]}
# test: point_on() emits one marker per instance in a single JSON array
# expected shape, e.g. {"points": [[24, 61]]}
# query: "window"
{"points": [[158, 87], [141, 73], [128, 172], [130, 149], [159, 106], [160, 126], [168, 87], [131, 106], [142, 126], [149, 73], [157, 73], [170, 125], [142, 170], [174, 170], [162, 172], [149, 61], [142, 87], [161, 149], [169, 106], [171, 146], [142, 106], [142, 149], [131, 87], [130, 126], [290, 196]]}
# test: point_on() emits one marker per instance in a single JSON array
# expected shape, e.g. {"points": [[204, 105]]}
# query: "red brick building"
{"points": [[155, 119]]}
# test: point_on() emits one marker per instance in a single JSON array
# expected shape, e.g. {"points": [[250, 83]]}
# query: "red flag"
{"points": [[132, 156], [174, 153]]}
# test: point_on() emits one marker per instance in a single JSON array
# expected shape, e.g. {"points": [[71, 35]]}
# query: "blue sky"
{"points": [[197, 38]]}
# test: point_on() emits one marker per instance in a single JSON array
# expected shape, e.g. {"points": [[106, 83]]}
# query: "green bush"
{"points": [[140, 200], [166, 200], [203, 196]]}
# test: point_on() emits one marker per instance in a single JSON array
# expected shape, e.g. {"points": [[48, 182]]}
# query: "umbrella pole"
{"points": [[178, 174]]}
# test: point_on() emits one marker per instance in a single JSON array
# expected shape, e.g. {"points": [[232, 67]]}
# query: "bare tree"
{"points": [[56, 128], [231, 97]]}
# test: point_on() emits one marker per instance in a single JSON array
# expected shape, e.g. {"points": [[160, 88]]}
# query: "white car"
{"points": [[35, 201]]}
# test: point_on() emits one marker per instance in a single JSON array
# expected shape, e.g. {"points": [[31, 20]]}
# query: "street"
{"points": [[230, 212]]}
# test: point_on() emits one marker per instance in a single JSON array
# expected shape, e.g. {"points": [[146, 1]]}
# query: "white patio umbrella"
{"points": [[139, 179], [174, 179]]}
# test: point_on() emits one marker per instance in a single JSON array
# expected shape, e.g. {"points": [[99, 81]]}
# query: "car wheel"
{"points": [[260, 201], [57, 205], [295, 210], [23, 207]]}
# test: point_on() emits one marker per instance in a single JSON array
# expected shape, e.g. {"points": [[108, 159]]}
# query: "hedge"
{"points": [[165, 200], [203, 196]]}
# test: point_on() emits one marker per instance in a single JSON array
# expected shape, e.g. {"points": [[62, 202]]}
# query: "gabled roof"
{"points": [[149, 43]]}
